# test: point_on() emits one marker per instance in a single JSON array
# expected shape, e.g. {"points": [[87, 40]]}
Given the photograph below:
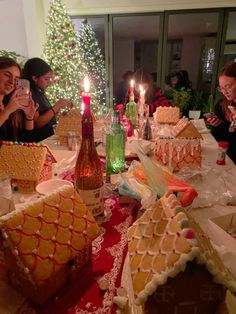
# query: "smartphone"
{"points": [[23, 88], [209, 115]]}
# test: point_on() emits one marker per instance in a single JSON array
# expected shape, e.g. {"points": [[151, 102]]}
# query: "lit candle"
{"points": [[131, 86], [141, 94], [85, 95], [141, 99]]}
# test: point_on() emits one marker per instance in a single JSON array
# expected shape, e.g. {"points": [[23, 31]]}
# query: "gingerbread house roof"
{"points": [[160, 244], [168, 115], [48, 233], [185, 128], [23, 161], [69, 122]]}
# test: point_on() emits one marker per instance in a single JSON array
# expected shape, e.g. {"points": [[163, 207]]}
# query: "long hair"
{"points": [[229, 69], [15, 118], [35, 67]]}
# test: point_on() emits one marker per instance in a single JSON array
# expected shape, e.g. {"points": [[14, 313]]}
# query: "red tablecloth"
{"points": [[83, 295]]}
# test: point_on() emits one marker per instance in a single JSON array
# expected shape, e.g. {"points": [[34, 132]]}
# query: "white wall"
{"points": [[22, 26], [12, 30]]}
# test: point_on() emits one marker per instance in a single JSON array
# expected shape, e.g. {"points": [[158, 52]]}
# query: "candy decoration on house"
{"points": [[61, 51], [92, 57]]}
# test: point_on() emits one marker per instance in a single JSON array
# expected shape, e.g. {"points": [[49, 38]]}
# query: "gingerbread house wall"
{"points": [[39, 294], [190, 292]]}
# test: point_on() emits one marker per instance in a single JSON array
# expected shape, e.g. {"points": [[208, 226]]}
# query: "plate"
{"points": [[49, 186]]}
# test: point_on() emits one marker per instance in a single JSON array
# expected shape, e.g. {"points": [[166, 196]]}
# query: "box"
{"points": [[219, 227]]}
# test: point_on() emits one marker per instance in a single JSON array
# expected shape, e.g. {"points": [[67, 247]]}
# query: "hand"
{"points": [[63, 102], [212, 119], [30, 109], [14, 103]]}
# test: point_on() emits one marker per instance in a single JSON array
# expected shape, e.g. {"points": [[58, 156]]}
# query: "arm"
{"points": [[41, 120], [30, 112]]}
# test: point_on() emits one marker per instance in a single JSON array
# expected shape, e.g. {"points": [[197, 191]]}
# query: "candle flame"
{"points": [[132, 83], [82, 108], [141, 89], [86, 84]]}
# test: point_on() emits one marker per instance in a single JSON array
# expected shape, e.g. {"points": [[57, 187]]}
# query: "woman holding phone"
{"points": [[16, 111], [223, 120], [39, 73]]}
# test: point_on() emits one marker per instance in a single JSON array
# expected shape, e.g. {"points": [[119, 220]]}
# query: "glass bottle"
{"points": [[131, 110], [146, 131], [115, 147], [88, 170]]}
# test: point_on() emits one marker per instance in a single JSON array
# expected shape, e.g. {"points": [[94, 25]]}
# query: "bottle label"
{"points": [[93, 199]]}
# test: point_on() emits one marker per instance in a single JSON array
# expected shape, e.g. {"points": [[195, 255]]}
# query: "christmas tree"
{"points": [[61, 51], [92, 57]]}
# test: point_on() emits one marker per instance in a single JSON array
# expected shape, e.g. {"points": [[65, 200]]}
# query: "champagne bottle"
{"points": [[88, 170], [115, 147], [131, 110]]}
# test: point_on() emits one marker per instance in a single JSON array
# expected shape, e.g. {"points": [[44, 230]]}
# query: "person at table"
{"points": [[222, 121], [123, 86], [153, 94], [39, 73], [16, 118]]}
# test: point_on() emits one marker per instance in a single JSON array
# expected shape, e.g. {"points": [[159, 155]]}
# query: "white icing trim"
{"points": [[160, 279]]}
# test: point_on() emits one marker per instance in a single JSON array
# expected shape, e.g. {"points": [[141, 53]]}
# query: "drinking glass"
{"points": [[5, 186]]}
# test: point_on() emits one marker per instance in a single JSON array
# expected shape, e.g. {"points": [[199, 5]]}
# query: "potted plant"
{"points": [[181, 98], [199, 104]]}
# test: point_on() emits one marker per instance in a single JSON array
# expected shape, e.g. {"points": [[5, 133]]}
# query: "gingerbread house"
{"points": [[174, 267], [67, 123], [46, 242], [27, 164], [166, 115], [185, 128], [182, 149]]}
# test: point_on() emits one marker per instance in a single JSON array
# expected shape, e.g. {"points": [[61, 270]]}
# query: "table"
{"points": [[67, 301], [202, 215]]}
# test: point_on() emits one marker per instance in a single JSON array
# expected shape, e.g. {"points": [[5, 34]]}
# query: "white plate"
{"points": [[49, 186]]}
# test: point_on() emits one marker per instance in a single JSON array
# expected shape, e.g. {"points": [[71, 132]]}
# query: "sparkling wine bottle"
{"points": [[88, 170], [131, 110], [115, 147]]}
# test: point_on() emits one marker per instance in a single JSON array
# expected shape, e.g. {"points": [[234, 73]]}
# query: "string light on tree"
{"points": [[92, 57], [62, 52]]}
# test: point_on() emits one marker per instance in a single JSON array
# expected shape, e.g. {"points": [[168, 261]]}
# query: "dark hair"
{"points": [[127, 75], [229, 69], [7, 62], [35, 67], [141, 76], [182, 79], [15, 118]]}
